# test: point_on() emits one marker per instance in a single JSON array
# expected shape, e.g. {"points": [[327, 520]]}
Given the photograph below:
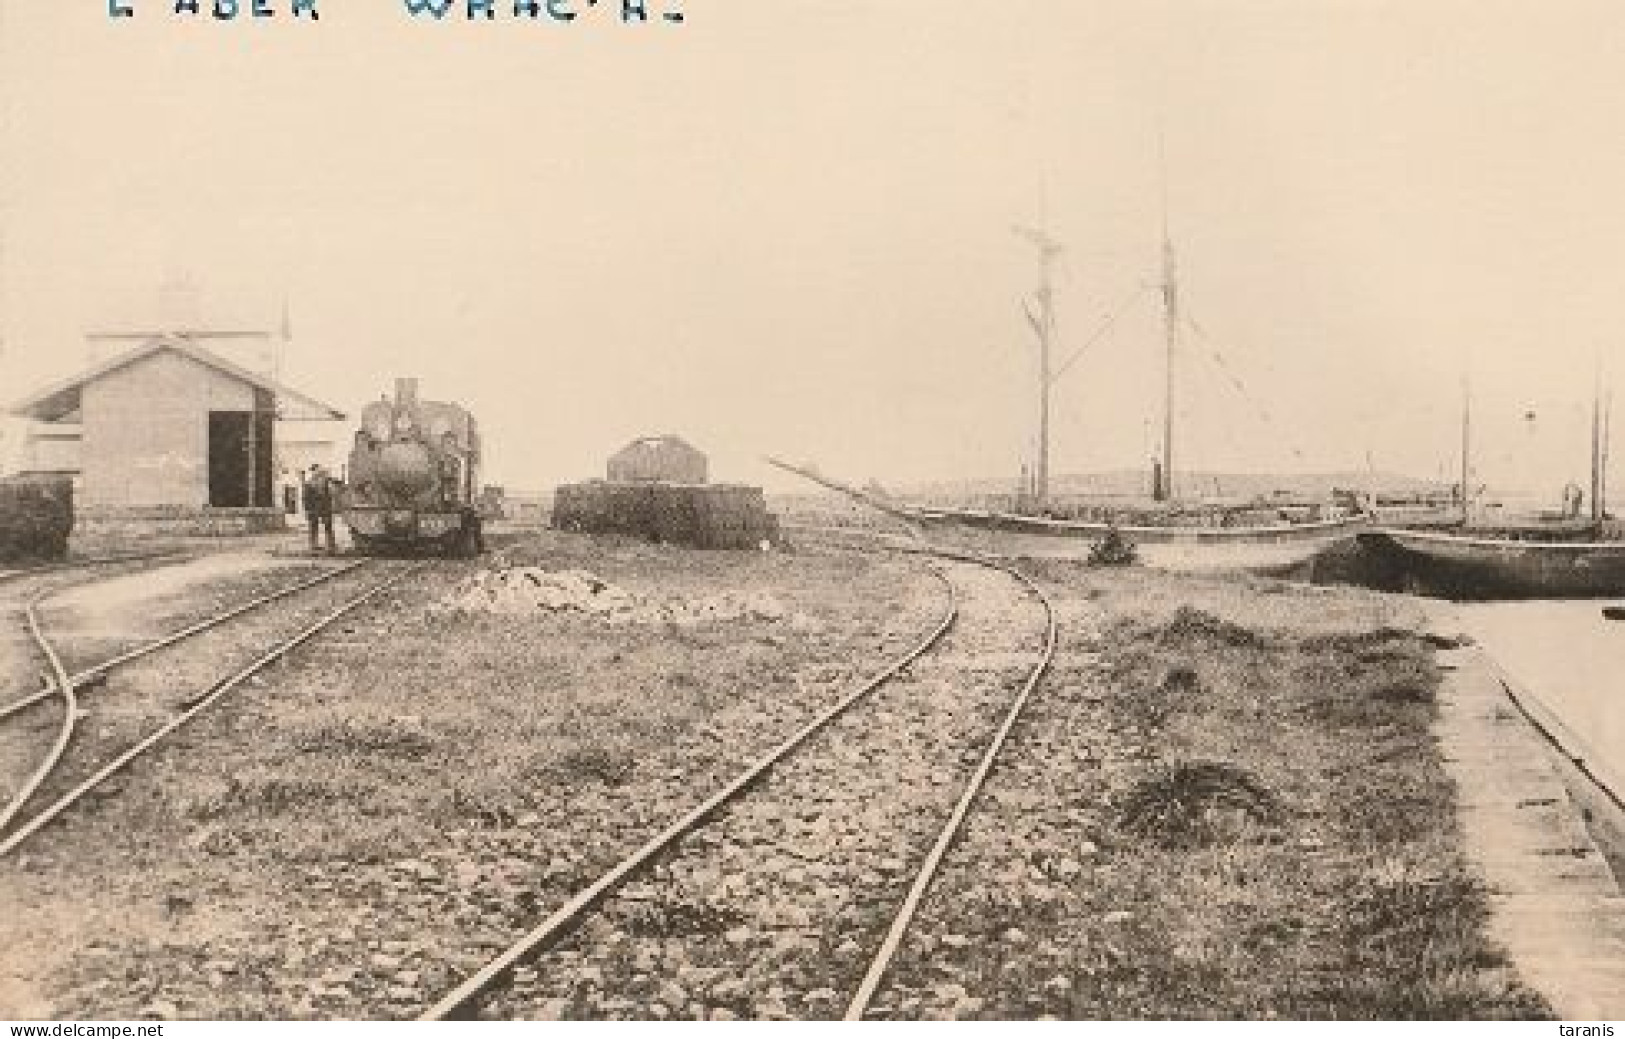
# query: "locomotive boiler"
{"points": [[414, 476]]}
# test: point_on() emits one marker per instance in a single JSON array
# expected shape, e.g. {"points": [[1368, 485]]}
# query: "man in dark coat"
{"points": [[317, 498]]}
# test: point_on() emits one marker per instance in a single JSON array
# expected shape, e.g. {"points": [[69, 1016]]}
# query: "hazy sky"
{"points": [[784, 226]]}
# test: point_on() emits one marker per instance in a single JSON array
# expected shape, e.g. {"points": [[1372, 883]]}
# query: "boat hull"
{"points": [[1487, 568], [1264, 549]]}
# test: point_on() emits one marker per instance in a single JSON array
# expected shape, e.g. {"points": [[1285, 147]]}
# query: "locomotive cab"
{"points": [[414, 472]]}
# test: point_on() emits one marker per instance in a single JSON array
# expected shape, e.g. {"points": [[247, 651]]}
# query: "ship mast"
{"points": [[1043, 324], [1164, 491], [1466, 438], [1607, 438], [1599, 453], [1170, 304]]}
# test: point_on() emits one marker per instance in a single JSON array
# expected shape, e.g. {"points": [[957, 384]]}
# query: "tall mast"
{"points": [[1170, 300], [1598, 451], [1170, 306], [1466, 439], [1043, 324], [1607, 437]]}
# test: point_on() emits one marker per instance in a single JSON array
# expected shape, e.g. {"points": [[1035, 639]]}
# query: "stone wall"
{"points": [[146, 431]]}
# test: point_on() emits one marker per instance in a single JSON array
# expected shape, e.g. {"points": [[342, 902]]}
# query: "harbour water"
{"points": [[1569, 656]]}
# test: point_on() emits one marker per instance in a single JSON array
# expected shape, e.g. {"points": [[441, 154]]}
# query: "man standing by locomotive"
{"points": [[317, 499]]}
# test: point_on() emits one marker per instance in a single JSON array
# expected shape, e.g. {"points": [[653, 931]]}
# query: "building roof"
{"points": [[56, 402], [651, 443]]}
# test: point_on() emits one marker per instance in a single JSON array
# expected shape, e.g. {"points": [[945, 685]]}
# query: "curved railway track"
{"points": [[59, 682], [62, 684], [65, 686], [465, 1000], [882, 960], [91, 675]]}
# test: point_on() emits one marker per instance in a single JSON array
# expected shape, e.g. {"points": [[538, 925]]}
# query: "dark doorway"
{"points": [[240, 459]]}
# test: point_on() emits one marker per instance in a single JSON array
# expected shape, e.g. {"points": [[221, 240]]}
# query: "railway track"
{"points": [[91, 676], [58, 683], [914, 738], [70, 717], [185, 709]]}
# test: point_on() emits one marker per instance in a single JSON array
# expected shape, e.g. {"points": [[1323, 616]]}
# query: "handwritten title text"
{"points": [[626, 11]]}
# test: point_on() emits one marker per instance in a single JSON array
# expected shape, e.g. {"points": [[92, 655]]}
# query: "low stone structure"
{"points": [[136, 521], [1555, 904], [697, 515]]}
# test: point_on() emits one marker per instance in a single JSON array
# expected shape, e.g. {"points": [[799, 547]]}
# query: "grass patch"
{"points": [[271, 791], [342, 733], [1285, 820], [1192, 803], [1193, 627]]}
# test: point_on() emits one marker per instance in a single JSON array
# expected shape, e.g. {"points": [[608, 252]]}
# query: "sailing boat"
{"points": [[1540, 561], [1160, 538]]}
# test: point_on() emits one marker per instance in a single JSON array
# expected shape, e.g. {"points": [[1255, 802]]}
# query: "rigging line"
{"points": [[1235, 381], [1100, 333], [1241, 390]]}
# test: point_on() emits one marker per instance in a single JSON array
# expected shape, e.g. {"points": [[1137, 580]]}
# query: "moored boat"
{"points": [[1193, 536], [1255, 547], [1260, 547], [1188, 536], [1566, 558], [1462, 566]]}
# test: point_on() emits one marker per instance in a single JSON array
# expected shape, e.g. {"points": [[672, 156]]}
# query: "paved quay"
{"points": [[1557, 907]]}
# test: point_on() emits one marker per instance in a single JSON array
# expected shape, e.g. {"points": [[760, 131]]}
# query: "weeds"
{"points": [[277, 793], [398, 737], [1367, 681], [1192, 625], [999, 907], [493, 809], [1384, 804], [674, 915], [605, 763], [1195, 803], [1114, 550]]}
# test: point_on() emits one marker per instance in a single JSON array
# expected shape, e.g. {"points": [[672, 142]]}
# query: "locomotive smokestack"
{"points": [[406, 392]]}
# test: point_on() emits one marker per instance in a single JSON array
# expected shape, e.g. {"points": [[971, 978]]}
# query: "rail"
{"points": [[462, 1001], [196, 706]]}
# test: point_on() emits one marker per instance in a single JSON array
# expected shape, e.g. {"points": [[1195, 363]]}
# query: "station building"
{"points": [[169, 436]]}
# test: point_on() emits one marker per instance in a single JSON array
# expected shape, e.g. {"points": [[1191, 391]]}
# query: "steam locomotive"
{"points": [[413, 477]]}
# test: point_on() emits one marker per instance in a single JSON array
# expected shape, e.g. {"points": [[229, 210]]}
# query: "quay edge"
{"points": [[1556, 905]]}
